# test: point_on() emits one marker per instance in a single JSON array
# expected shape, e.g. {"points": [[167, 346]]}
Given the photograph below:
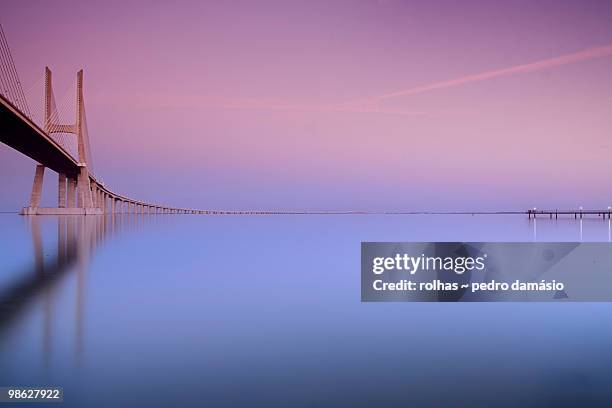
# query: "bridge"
{"points": [[80, 191]]}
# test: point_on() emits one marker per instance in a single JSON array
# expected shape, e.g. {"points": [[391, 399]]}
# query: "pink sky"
{"points": [[331, 105]]}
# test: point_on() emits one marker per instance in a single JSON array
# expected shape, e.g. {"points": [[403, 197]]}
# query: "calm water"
{"points": [[187, 310]]}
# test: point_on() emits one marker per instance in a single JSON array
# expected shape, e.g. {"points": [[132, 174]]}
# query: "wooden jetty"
{"points": [[580, 213]]}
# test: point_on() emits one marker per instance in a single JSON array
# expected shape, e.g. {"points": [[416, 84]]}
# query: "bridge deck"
{"points": [[23, 135]]}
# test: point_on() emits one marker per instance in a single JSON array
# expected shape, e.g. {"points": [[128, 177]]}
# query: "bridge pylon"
{"points": [[80, 184]]}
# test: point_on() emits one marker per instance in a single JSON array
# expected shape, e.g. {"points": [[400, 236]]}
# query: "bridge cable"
{"points": [[7, 80], [13, 75]]}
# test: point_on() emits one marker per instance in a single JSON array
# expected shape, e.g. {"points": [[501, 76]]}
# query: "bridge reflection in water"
{"points": [[78, 238]]}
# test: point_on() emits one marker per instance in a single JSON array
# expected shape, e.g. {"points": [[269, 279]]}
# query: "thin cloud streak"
{"points": [[321, 109], [585, 55], [371, 105]]}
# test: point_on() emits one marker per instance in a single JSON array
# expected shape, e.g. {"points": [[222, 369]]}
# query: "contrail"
{"points": [[588, 54]]}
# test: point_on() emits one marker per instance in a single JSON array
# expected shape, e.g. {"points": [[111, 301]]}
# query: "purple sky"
{"points": [[330, 105]]}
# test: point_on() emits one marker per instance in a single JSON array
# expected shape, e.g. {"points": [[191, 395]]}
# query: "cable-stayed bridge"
{"points": [[57, 137], [62, 145]]}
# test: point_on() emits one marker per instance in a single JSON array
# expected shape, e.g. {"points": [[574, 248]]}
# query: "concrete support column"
{"points": [[37, 186], [85, 199], [61, 190], [94, 195], [79, 195], [71, 193], [113, 205]]}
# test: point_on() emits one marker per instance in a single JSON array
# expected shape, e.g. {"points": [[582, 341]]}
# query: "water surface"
{"points": [[191, 310]]}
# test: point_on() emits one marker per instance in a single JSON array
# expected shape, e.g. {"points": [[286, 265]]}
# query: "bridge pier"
{"points": [[61, 190], [37, 186], [84, 192], [65, 198], [92, 188], [71, 187]]}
